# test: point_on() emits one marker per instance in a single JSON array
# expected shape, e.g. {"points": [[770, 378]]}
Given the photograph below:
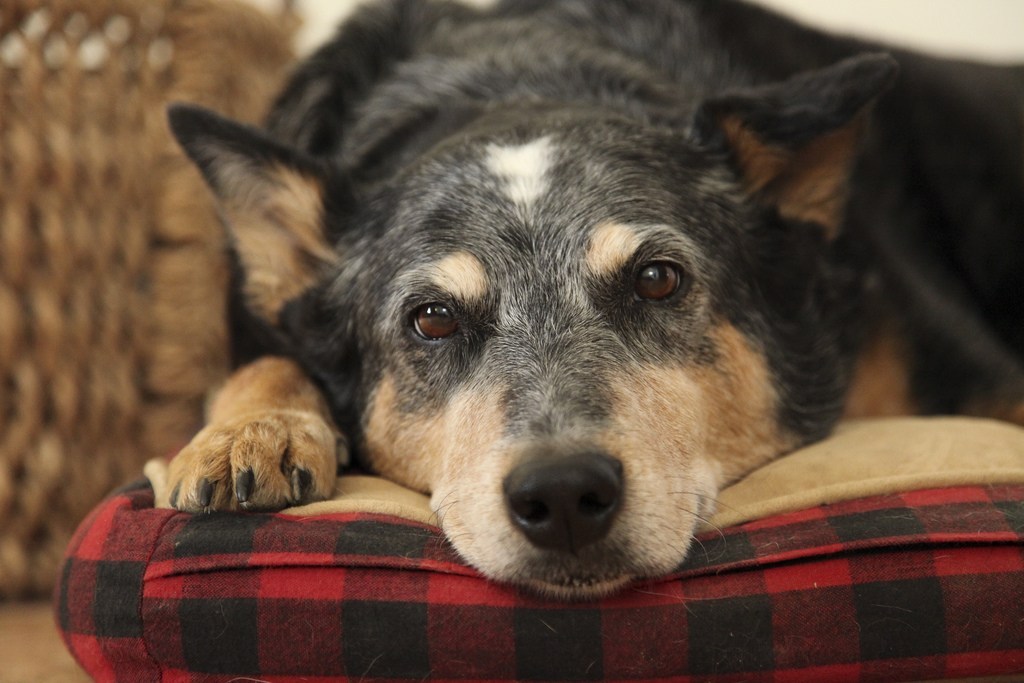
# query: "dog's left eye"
{"points": [[435, 321], [657, 281]]}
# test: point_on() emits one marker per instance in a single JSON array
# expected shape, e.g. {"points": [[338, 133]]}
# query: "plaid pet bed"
{"points": [[924, 585]]}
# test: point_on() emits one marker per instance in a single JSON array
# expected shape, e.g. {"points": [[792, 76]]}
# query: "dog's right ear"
{"points": [[272, 199]]}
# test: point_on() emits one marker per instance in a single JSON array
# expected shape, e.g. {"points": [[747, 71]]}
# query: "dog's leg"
{"points": [[270, 442]]}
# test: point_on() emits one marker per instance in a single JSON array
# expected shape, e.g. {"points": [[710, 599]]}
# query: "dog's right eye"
{"points": [[657, 281], [434, 321]]}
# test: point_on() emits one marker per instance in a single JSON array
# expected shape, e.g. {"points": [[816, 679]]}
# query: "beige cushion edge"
{"points": [[373, 495], [878, 457], [730, 515], [364, 506]]}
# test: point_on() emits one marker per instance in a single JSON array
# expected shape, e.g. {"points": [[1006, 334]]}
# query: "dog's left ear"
{"points": [[795, 142], [272, 199]]}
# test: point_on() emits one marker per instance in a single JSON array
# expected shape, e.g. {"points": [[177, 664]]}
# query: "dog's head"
{"points": [[569, 327]]}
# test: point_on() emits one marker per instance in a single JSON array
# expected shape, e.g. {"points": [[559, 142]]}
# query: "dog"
{"points": [[570, 266]]}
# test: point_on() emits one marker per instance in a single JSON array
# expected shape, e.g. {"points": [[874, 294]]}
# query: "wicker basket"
{"points": [[111, 258]]}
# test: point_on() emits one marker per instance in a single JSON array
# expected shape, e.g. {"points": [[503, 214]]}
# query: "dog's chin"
{"points": [[576, 588], [593, 574]]}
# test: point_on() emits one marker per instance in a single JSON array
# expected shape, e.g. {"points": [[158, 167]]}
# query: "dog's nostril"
{"points": [[592, 504], [532, 511], [565, 503]]}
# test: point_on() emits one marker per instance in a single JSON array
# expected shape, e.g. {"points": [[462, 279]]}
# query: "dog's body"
{"points": [[572, 265]]}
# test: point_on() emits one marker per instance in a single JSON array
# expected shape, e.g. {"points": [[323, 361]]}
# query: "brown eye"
{"points": [[657, 281], [435, 321]]}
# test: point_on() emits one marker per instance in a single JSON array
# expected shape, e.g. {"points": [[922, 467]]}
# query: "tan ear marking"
{"points": [[761, 163], [806, 184], [276, 216]]}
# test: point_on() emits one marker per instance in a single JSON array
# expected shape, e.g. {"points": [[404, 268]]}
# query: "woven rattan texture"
{"points": [[111, 257]]}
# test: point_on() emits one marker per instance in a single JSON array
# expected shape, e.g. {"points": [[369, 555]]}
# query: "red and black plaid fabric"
{"points": [[924, 585]]}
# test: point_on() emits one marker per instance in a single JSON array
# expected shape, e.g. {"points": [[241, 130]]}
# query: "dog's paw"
{"points": [[265, 461]]}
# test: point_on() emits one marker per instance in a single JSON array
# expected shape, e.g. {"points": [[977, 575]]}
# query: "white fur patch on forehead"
{"points": [[611, 246], [462, 275], [523, 168]]}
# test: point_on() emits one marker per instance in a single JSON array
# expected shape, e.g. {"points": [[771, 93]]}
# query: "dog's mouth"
{"points": [[592, 573], [578, 587], [597, 571]]}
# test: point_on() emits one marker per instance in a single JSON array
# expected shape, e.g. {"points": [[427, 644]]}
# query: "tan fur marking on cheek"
{"points": [[475, 421], [741, 405], [657, 413], [658, 433], [659, 427], [881, 380], [463, 275], [278, 230], [396, 449], [611, 246], [723, 415], [814, 188], [761, 163], [419, 449], [468, 497]]}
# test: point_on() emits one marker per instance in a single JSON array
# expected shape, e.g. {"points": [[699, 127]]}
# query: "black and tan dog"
{"points": [[571, 265]]}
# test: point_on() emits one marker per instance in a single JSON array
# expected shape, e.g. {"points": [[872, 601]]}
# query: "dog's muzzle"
{"points": [[565, 503]]}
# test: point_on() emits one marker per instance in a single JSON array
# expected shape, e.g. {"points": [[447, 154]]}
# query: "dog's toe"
{"points": [[283, 459], [265, 462], [194, 473]]}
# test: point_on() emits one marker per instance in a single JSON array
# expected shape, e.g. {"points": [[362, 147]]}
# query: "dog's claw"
{"points": [[204, 493], [243, 484], [174, 496], [302, 482]]}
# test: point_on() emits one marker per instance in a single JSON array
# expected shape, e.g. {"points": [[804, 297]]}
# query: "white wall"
{"points": [[983, 29]]}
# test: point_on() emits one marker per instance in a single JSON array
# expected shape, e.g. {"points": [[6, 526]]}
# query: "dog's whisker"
{"points": [[643, 591], [707, 557], [444, 506], [713, 499], [718, 532], [711, 524]]}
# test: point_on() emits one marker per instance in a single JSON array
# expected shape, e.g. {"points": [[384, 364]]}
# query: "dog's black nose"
{"points": [[567, 502]]}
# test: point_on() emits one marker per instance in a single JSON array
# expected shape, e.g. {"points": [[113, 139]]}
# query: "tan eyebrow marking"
{"points": [[462, 275], [611, 246]]}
